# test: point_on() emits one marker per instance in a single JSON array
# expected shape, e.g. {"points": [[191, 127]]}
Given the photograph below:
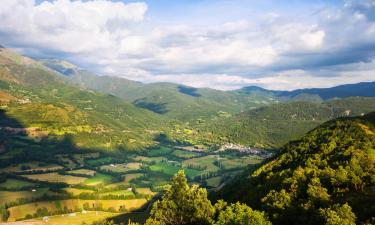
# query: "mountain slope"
{"points": [[364, 89], [171, 100], [276, 124], [47, 101], [333, 164]]}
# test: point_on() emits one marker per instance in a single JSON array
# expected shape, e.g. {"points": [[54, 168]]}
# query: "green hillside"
{"points": [[322, 178], [45, 101], [276, 124], [363, 89], [171, 100]]}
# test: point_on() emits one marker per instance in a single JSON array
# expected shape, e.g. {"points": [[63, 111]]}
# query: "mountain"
{"points": [[327, 175], [45, 101], [273, 125], [171, 100], [364, 89]]}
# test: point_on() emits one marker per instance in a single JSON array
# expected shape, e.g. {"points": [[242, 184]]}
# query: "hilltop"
{"points": [[328, 172]]}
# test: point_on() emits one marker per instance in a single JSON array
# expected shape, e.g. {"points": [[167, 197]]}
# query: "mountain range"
{"points": [[62, 99]]}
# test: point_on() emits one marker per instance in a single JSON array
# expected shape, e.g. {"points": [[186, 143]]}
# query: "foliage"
{"points": [[338, 215], [330, 165], [184, 204], [238, 214]]}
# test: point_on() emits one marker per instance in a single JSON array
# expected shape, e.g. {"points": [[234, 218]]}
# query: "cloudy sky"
{"points": [[223, 44]]}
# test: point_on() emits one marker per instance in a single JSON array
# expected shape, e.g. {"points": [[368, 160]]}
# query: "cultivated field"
{"points": [[55, 177], [21, 211]]}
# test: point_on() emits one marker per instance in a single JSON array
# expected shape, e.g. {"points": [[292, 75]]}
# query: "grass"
{"points": [[88, 217], [236, 163], [19, 212], [118, 193], [31, 166], [145, 191], [213, 181], [83, 171], [162, 150], [146, 159], [99, 161], [80, 158], [99, 178], [166, 168], [123, 167], [12, 196], [206, 162], [170, 169], [55, 177], [76, 191], [131, 176], [16, 184], [185, 154]]}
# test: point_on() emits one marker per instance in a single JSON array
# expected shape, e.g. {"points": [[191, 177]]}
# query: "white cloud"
{"points": [[69, 26], [275, 50]]}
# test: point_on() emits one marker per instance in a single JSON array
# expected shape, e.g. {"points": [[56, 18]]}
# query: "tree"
{"points": [[4, 213], [338, 215], [239, 214], [188, 205], [182, 204]]}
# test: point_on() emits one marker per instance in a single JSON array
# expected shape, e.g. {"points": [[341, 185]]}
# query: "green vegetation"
{"points": [[14, 184], [98, 178], [64, 149], [274, 125], [325, 177], [184, 204]]}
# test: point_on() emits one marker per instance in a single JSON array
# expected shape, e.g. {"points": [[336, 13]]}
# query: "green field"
{"points": [[56, 178], [13, 196], [16, 184], [170, 169], [82, 171], [21, 211], [236, 163], [31, 166], [213, 181], [99, 161], [122, 168], [98, 178], [119, 193], [78, 218], [161, 151], [185, 154], [205, 162], [146, 159]]}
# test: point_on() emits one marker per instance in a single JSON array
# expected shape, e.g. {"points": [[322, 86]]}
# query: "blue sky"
{"points": [[223, 44]]}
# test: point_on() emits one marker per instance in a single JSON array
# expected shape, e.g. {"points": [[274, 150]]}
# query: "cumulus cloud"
{"points": [[73, 27], [275, 50]]}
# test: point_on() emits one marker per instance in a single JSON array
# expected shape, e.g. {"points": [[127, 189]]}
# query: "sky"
{"points": [[221, 44]]}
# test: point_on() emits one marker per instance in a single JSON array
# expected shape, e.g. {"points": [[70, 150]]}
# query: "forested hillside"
{"points": [[274, 125], [326, 177]]}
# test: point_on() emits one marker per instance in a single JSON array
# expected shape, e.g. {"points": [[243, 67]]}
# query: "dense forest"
{"points": [[327, 175]]}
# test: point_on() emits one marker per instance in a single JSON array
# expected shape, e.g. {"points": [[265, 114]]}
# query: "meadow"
{"points": [[96, 181], [74, 205], [56, 178], [77, 218]]}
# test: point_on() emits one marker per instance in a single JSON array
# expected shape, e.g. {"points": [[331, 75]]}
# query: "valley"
{"points": [[78, 182], [77, 147]]}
